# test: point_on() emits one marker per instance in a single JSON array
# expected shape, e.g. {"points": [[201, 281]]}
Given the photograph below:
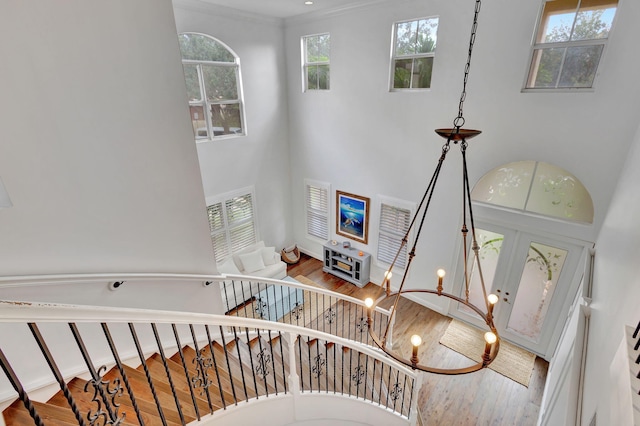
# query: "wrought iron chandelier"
{"points": [[458, 136]]}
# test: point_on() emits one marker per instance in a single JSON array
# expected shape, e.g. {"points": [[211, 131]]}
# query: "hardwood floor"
{"points": [[481, 398]]}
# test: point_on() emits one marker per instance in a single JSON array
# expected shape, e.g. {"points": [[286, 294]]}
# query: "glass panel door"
{"points": [[538, 283], [532, 275], [542, 280], [493, 241]]}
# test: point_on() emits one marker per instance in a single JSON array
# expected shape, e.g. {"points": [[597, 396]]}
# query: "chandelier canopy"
{"points": [[458, 136]]}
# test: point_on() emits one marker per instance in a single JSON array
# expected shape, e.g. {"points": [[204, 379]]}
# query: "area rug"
{"points": [[512, 361], [312, 310]]}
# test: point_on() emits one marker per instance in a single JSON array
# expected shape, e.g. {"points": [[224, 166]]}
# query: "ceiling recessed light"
{"points": [[308, 2]]}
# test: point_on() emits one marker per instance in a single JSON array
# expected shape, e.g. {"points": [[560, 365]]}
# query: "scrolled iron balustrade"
{"points": [[188, 352]]}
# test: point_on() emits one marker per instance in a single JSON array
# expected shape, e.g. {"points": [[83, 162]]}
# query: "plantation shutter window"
{"points": [[232, 225], [317, 204], [394, 223]]}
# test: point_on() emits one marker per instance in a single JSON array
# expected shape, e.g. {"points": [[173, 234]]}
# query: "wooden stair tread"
{"points": [[17, 414], [144, 397], [182, 388]]}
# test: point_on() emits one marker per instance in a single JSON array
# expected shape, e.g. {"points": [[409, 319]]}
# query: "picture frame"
{"points": [[352, 216]]}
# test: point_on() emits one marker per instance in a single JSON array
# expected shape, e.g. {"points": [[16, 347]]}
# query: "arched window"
{"points": [[536, 187], [212, 74]]}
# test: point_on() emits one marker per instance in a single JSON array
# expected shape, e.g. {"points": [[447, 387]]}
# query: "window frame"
{"points": [[306, 64], [324, 216], [530, 76], [410, 207], [227, 227], [394, 57], [206, 104]]}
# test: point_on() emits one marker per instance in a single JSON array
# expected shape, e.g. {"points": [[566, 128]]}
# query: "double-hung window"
{"points": [[316, 50], [414, 48], [317, 204], [232, 223], [212, 74], [395, 219], [569, 43]]}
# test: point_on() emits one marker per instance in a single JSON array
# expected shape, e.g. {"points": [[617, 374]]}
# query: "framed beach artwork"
{"points": [[352, 216]]}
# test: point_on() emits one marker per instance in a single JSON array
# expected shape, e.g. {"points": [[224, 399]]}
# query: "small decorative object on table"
{"points": [[346, 244]]}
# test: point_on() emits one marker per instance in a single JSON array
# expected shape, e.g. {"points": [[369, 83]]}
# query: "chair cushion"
{"points": [[268, 255], [228, 267], [249, 249], [252, 261]]}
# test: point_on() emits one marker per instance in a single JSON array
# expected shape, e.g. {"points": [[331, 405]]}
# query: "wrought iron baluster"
{"points": [[350, 323], [244, 382], [245, 297], [284, 374], [202, 368], [404, 387], [253, 370], [215, 367], [22, 394], [326, 376], [99, 386], [263, 364], [380, 385], [394, 390], [388, 387], [273, 363], [300, 362], [166, 370], [56, 372], [147, 373], [350, 369], [343, 319], [310, 367], [334, 368], [373, 380], [282, 306], [226, 297], [226, 355], [366, 377], [186, 371], [123, 374], [342, 370]]}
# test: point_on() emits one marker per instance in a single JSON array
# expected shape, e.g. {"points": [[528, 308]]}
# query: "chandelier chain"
{"points": [[459, 120]]}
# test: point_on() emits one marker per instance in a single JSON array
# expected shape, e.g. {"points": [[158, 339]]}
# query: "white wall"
{"points": [[363, 139], [96, 149], [615, 295], [262, 157]]}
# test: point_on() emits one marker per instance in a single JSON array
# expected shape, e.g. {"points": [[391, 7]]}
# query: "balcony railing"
{"points": [[112, 364], [291, 302]]}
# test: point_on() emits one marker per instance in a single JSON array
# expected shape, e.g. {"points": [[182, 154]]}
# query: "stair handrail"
{"points": [[38, 312], [301, 286], [20, 312], [205, 279]]}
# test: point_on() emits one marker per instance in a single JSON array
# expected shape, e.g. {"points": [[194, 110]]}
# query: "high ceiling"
{"points": [[290, 8]]}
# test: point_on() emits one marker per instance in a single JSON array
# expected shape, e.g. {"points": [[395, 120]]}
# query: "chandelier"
{"points": [[458, 136]]}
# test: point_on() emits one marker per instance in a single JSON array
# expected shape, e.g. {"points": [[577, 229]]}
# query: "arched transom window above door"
{"points": [[536, 187]]}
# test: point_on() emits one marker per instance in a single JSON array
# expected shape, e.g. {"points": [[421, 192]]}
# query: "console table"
{"points": [[347, 263]]}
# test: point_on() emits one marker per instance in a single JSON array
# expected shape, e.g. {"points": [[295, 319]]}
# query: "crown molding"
{"points": [[226, 12], [346, 9]]}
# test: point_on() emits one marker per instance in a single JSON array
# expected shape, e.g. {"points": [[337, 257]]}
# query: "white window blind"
{"points": [[394, 223], [317, 210], [232, 226]]}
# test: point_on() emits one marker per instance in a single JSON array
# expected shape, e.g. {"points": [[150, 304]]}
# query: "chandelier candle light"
{"points": [[457, 135]]}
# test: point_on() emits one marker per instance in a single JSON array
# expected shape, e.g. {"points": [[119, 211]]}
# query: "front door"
{"points": [[535, 278]]}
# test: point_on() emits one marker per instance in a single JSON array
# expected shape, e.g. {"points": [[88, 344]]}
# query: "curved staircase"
{"points": [[206, 375]]}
